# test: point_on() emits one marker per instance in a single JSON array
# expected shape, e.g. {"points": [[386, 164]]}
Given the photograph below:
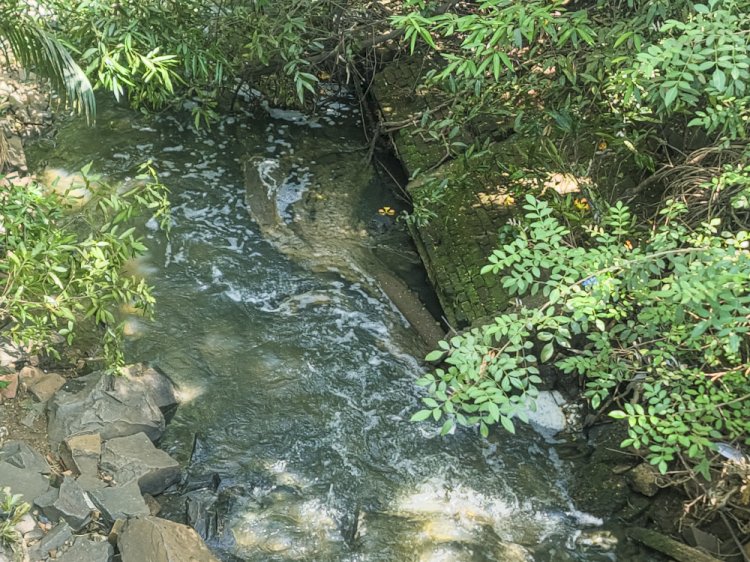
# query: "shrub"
{"points": [[60, 269], [659, 329]]}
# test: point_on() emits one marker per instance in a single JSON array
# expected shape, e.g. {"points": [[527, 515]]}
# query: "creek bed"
{"points": [[298, 383]]}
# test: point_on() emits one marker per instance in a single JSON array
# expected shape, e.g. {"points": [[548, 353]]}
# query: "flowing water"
{"points": [[298, 385]]}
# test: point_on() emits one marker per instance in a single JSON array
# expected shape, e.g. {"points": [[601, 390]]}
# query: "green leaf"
{"points": [[507, 424], [670, 96], [447, 427], [421, 415], [547, 352], [434, 356], [719, 80]]}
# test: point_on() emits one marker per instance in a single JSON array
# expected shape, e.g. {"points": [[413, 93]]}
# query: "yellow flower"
{"points": [[386, 211]]}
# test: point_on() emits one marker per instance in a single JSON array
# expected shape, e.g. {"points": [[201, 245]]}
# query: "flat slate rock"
{"points": [[100, 403], [28, 483], [24, 456], [135, 458], [58, 536], [69, 503], [120, 502], [45, 387], [80, 453], [86, 550], [159, 540]]}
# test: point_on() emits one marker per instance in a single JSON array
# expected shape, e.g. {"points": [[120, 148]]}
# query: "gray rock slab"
{"points": [[120, 502], [24, 456], [58, 536], [80, 453], [99, 403], [158, 385], [87, 550], [135, 458], [89, 482], [70, 503], [21, 481], [9, 355], [45, 387], [159, 540]]}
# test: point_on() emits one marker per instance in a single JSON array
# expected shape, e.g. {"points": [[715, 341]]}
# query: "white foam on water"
{"points": [[549, 418]]}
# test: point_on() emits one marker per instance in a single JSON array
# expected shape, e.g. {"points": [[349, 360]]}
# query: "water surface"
{"points": [[299, 385]]}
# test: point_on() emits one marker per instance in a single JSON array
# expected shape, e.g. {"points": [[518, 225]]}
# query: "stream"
{"points": [[298, 382]]}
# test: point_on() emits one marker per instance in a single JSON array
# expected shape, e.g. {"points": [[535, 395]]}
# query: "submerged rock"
{"points": [[159, 540], [201, 513]]}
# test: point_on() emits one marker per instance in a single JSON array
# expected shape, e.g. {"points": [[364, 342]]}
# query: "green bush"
{"points": [[657, 328], [62, 268]]}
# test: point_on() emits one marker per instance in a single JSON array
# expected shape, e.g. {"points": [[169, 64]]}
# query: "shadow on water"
{"points": [[298, 385]]}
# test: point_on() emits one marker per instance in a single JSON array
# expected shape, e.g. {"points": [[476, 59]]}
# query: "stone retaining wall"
{"points": [[455, 243]]}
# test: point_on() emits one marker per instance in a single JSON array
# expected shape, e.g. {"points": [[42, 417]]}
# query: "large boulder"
{"points": [[159, 540], [103, 404], [134, 458]]}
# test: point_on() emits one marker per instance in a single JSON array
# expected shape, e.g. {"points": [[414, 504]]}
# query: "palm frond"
{"points": [[35, 48]]}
